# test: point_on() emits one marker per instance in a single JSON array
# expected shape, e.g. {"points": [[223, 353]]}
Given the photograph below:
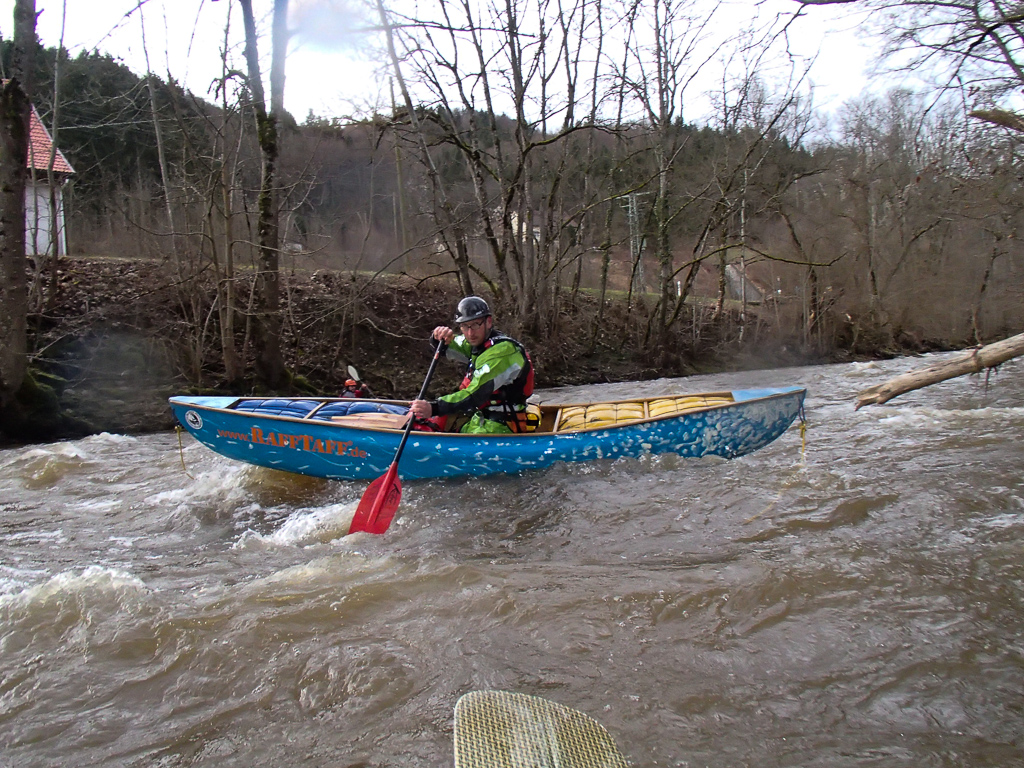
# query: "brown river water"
{"points": [[859, 604]]}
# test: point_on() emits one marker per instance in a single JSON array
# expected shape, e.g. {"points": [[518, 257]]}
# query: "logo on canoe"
{"points": [[193, 419]]}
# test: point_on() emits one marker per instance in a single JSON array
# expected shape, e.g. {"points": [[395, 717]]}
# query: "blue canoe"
{"points": [[345, 439]]}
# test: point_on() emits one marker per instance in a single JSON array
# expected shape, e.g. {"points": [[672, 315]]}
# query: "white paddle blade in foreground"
{"points": [[498, 729]]}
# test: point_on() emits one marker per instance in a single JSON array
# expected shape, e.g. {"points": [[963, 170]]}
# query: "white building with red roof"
{"points": [[44, 219]]}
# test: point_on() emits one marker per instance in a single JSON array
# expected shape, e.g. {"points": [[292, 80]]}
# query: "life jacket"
{"points": [[516, 391], [355, 388], [501, 406]]}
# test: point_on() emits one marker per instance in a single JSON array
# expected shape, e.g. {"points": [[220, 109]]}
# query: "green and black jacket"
{"points": [[499, 376]]}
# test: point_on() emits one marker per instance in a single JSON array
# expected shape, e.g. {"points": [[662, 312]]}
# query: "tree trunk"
{"points": [[56, 205], [165, 176], [269, 361], [974, 361], [232, 365], [15, 112]]}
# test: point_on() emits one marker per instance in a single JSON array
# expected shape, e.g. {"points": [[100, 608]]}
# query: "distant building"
{"points": [[741, 286], [43, 230]]}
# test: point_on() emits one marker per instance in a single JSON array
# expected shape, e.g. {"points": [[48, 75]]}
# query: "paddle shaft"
{"points": [[441, 347], [386, 491]]}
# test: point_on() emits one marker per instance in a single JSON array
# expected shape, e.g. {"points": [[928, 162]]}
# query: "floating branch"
{"points": [[975, 361]]}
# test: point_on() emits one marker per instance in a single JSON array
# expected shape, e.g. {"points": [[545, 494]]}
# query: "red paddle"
{"points": [[377, 508]]}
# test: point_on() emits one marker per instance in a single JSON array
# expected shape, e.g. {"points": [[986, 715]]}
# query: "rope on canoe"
{"points": [[803, 434], [181, 451]]}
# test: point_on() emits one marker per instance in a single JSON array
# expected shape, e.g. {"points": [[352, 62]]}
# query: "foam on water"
{"points": [[48, 465], [37, 537], [14, 580], [110, 439], [304, 527], [323, 571], [98, 505], [221, 485], [948, 418], [94, 581], [1008, 520], [860, 368]]}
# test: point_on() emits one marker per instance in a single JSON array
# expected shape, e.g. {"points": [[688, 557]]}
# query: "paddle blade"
{"points": [[498, 729], [377, 508]]}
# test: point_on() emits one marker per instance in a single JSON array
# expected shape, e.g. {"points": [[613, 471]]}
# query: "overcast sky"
{"points": [[326, 71]]}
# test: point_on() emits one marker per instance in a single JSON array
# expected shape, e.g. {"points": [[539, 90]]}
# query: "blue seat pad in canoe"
{"points": [[300, 408], [352, 407], [277, 407]]}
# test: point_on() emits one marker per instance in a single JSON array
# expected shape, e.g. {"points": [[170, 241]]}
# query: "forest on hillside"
{"points": [[533, 157]]}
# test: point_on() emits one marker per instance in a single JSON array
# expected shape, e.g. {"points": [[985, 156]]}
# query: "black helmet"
{"points": [[471, 308]]}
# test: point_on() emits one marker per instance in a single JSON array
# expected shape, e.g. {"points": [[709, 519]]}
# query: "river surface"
{"points": [[859, 604]]}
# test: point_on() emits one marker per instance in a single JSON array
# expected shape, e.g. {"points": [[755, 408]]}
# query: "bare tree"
{"points": [[665, 61], [15, 114], [165, 176], [55, 203], [450, 230], [508, 93], [224, 268], [975, 46], [708, 197], [269, 360]]}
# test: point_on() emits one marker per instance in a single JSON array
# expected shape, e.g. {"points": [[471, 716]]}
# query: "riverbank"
{"points": [[120, 336]]}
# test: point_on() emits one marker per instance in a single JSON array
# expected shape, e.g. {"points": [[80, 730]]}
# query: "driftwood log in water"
{"points": [[974, 361]]}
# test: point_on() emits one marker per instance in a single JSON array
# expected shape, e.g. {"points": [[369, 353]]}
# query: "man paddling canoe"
{"points": [[499, 375]]}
